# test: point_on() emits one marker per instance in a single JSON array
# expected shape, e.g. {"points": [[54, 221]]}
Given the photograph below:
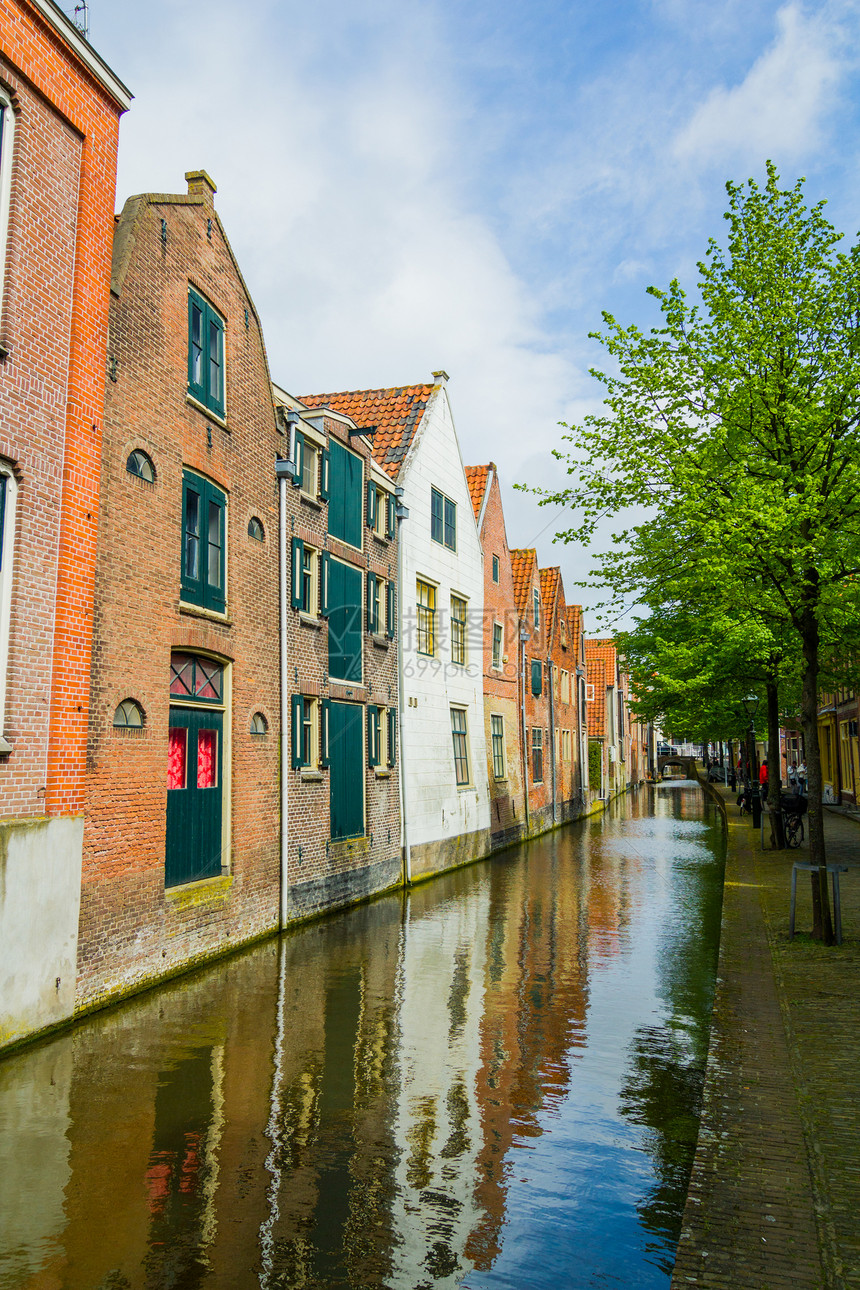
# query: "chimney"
{"points": [[441, 378], [201, 185]]}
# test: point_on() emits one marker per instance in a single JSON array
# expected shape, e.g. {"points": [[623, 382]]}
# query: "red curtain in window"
{"points": [[176, 751], [206, 748]]}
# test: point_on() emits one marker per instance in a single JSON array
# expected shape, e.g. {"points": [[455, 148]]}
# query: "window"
{"points": [[497, 645], [7, 127], [589, 694], [256, 530], [443, 519], [309, 467], [205, 354], [344, 605], [259, 724], [129, 715], [537, 678], [374, 736], [426, 595], [309, 731], [390, 610], [381, 511], [141, 465], [196, 678], [461, 748], [204, 531], [344, 494], [8, 498], [565, 745], [495, 568], [537, 755], [565, 687], [375, 590], [309, 594], [497, 726], [391, 739], [536, 606], [458, 630], [562, 631]]}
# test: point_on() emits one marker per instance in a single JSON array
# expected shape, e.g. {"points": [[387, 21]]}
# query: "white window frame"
{"points": [[565, 686], [7, 144], [497, 657], [497, 717], [6, 575]]}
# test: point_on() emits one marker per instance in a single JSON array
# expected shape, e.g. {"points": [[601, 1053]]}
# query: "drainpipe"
{"points": [[402, 513], [524, 636], [284, 472], [552, 734]]}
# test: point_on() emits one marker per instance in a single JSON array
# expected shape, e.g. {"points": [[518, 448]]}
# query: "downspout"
{"points": [[523, 638], [402, 513], [552, 733], [283, 472]]}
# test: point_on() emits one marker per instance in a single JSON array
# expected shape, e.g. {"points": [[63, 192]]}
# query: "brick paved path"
{"points": [[774, 1193]]}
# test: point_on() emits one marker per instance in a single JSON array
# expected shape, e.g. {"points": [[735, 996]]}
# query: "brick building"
{"points": [[181, 845], [443, 764], [502, 724], [578, 679], [565, 742], [60, 107], [608, 714], [341, 688], [535, 673]]}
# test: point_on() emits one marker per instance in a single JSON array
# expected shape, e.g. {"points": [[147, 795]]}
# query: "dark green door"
{"points": [[346, 769], [194, 795]]}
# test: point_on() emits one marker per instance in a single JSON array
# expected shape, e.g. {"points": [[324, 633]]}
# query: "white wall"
{"points": [[436, 808], [40, 897]]}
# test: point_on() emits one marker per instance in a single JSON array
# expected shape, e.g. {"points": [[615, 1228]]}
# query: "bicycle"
{"points": [[793, 810]]}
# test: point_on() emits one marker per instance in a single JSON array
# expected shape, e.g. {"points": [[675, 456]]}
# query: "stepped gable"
{"points": [[395, 412], [476, 478], [523, 561]]}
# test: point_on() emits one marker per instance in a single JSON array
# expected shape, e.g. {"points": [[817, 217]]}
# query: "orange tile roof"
{"points": [[523, 567], [603, 649], [476, 478], [596, 676], [395, 412], [574, 622], [550, 581]]}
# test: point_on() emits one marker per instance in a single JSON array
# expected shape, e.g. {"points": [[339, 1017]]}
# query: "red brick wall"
{"points": [[537, 707], [52, 397], [131, 929]]}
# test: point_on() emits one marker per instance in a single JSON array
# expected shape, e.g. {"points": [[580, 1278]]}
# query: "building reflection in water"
{"points": [[359, 1103]]}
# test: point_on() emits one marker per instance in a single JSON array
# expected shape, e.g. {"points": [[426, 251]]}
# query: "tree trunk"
{"points": [[774, 776], [822, 927]]}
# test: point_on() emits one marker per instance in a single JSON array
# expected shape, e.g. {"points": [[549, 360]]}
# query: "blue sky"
{"points": [[466, 185]]}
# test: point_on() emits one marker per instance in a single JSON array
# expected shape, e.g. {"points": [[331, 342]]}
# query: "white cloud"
{"points": [[778, 110]]}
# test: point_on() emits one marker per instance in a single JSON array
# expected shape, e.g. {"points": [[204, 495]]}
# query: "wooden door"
{"points": [[194, 795], [346, 769]]}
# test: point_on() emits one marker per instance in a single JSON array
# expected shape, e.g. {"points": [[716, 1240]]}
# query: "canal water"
{"points": [[494, 1081]]}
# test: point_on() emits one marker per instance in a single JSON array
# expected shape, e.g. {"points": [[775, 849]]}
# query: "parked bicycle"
{"points": [[793, 807]]}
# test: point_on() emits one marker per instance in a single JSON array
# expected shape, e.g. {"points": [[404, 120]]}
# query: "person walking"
{"points": [[792, 778], [801, 779], [762, 781]]}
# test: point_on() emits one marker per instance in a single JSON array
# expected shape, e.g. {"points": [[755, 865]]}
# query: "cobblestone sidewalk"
{"points": [[774, 1197]]}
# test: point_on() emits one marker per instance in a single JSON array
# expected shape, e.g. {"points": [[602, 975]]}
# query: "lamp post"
{"points": [[751, 705]]}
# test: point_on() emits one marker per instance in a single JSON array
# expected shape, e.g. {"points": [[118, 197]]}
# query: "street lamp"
{"points": [[751, 705]]}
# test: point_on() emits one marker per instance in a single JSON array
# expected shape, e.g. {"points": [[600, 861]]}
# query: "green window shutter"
{"points": [[298, 553], [392, 736], [196, 346], [345, 621], [391, 516], [371, 504], [193, 511], [346, 495], [325, 713], [296, 730], [437, 527], [372, 624], [215, 363], [324, 577], [215, 557], [390, 607], [536, 677], [324, 469], [372, 736], [300, 448]]}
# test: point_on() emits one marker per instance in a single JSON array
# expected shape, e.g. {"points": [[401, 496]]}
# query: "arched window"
{"points": [[141, 465], [255, 529], [259, 724], [129, 715]]}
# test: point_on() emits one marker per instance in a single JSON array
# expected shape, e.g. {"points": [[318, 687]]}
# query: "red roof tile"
{"points": [[550, 581], [476, 478], [395, 413], [596, 676], [524, 569]]}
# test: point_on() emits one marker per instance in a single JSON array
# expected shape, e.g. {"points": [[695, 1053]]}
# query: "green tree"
{"points": [[737, 419]]}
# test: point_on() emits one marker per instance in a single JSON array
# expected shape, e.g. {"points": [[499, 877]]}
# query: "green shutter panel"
{"points": [[216, 593], [372, 624], [192, 586], [324, 469], [390, 606], [536, 677], [324, 577], [196, 319], [296, 730], [300, 447], [325, 713], [371, 504], [336, 625], [298, 552], [392, 736], [372, 736], [215, 398]]}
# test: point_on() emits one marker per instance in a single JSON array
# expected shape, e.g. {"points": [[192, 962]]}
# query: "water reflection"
{"points": [[492, 1082]]}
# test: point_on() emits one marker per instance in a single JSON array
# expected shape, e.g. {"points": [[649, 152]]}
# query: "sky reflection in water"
{"points": [[494, 1082]]}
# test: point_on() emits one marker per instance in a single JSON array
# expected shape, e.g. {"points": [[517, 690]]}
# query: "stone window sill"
{"points": [[308, 620], [207, 412], [197, 611], [310, 776], [382, 774], [5, 746], [381, 642], [312, 502]]}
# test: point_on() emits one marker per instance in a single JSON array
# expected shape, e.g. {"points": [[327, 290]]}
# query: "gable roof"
{"points": [[550, 583], [476, 478], [523, 567], [395, 412], [596, 707]]}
